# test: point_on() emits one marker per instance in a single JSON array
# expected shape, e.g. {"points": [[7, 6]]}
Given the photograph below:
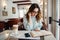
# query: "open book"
{"points": [[40, 33]]}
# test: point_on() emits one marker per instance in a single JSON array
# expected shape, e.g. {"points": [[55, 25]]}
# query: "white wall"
{"points": [[49, 14], [0, 9], [9, 10], [54, 16]]}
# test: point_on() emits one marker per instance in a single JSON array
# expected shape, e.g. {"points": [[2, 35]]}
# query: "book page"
{"points": [[40, 33]]}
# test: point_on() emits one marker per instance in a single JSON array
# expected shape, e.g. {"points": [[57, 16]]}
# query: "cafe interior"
{"points": [[11, 20]]}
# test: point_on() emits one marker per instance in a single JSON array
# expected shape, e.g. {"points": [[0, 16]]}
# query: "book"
{"points": [[40, 33]]}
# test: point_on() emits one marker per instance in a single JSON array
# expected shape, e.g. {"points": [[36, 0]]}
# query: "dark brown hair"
{"points": [[31, 9]]}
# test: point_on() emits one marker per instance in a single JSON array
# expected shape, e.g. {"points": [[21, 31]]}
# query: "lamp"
{"points": [[4, 11], [4, 6]]}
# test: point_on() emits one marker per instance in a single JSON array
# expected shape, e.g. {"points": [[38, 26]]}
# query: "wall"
{"points": [[49, 14], [0, 8], [9, 10], [59, 18], [52, 13], [54, 17]]}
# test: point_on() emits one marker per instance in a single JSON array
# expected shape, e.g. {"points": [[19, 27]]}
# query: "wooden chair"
{"points": [[21, 25], [1, 26], [12, 22]]}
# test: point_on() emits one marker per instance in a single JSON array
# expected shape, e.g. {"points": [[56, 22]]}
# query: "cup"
{"points": [[15, 29]]}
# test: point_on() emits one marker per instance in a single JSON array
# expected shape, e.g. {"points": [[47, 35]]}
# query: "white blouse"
{"points": [[34, 25]]}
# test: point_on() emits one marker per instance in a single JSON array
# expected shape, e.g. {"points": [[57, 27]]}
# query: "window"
{"points": [[22, 12]]}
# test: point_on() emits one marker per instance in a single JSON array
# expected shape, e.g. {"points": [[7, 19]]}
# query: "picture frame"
{"points": [[13, 10], [4, 13]]}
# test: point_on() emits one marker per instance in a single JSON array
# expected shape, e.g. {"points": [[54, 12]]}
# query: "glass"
{"points": [[7, 34], [34, 12], [15, 29]]}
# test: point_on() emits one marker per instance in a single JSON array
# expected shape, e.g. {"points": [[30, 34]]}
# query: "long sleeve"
{"points": [[32, 26], [27, 26], [39, 24]]}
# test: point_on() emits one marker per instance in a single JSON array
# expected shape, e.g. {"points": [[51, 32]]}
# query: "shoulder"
{"points": [[24, 18]]}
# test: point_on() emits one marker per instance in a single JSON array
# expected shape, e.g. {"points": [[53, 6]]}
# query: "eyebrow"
{"points": [[35, 11]]}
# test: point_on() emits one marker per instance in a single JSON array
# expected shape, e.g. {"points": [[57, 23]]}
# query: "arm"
{"points": [[38, 28], [27, 25], [40, 24]]}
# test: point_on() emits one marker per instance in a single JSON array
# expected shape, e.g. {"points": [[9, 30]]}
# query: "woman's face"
{"points": [[34, 12]]}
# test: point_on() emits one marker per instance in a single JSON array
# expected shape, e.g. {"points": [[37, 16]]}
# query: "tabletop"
{"points": [[20, 35]]}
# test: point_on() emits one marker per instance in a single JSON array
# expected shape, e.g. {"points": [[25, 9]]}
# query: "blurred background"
{"points": [[13, 11]]}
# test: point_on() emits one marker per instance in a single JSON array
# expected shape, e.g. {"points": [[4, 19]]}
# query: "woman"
{"points": [[33, 19]]}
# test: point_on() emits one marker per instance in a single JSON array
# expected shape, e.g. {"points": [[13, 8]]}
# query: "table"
{"points": [[21, 35]]}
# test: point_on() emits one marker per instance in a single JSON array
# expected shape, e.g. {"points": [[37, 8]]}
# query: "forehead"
{"points": [[36, 9]]}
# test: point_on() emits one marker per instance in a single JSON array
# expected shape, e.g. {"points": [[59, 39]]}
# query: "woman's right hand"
{"points": [[29, 14], [30, 21]]}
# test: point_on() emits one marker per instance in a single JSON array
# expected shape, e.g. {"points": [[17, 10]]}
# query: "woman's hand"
{"points": [[37, 29], [29, 14], [30, 21]]}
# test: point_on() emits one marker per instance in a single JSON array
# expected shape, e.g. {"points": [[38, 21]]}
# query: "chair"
{"points": [[1, 26], [12, 22], [21, 25]]}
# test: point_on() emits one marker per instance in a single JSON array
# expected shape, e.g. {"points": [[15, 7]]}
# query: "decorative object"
{"points": [[13, 10], [4, 13]]}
